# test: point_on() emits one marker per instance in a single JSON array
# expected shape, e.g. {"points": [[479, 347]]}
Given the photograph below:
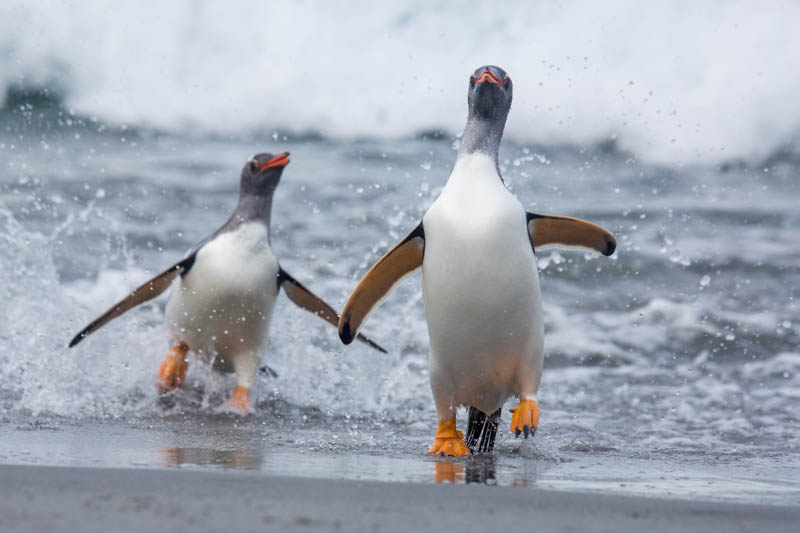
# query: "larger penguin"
{"points": [[476, 246], [225, 290]]}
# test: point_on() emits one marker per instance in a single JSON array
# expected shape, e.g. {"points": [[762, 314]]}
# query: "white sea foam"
{"points": [[38, 373], [111, 373], [671, 81]]}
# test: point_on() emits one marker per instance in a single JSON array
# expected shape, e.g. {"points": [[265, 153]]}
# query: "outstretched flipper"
{"points": [[548, 231], [305, 299], [398, 263], [144, 293]]}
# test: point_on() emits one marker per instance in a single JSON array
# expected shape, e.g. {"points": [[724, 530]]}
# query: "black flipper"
{"points": [[145, 292], [547, 231], [481, 430], [378, 282], [305, 299]]}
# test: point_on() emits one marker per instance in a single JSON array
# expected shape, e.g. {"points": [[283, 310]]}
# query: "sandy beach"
{"points": [[34, 498]]}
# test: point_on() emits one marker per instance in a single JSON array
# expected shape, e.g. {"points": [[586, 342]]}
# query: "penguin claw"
{"points": [[525, 419]]}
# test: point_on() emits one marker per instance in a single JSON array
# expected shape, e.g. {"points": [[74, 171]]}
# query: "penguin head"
{"points": [[262, 173], [490, 93]]}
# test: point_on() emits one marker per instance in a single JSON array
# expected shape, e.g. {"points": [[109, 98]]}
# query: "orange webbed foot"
{"points": [[240, 401], [449, 441], [172, 372], [525, 419]]}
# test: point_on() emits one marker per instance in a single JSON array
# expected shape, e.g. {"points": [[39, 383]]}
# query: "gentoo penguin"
{"points": [[225, 290], [476, 246]]}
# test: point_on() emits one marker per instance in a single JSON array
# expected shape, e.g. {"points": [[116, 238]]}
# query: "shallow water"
{"points": [[368, 450], [671, 368]]}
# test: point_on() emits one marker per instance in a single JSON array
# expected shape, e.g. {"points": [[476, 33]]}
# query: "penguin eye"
{"points": [[253, 166], [472, 81]]}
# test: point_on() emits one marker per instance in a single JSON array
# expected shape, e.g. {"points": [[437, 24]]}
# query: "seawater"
{"points": [[682, 345]]}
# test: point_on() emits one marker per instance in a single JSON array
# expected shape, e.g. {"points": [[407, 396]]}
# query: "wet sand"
{"points": [[44, 498]]}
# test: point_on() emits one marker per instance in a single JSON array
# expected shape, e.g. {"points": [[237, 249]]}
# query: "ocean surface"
{"points": [[672, 368]]}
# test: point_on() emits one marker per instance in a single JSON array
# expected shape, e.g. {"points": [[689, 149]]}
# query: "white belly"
{"points": [[481, 293], [224, 304]]}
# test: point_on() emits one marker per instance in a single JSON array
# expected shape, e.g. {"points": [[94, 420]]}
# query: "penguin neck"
{"points": [[253, 208], [482, 135]]}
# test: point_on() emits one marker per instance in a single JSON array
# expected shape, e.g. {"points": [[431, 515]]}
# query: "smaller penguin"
{"points": [[225, 290]]}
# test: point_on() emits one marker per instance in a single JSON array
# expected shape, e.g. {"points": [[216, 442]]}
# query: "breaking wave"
{"points": [[678, 82]]}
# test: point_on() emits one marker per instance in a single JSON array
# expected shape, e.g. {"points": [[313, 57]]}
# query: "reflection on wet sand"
{"points": [[477, 469], [228, 459], [446, 471]]}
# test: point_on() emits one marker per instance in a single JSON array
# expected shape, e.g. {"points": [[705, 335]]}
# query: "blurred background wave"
{"points": [[673, 82]]}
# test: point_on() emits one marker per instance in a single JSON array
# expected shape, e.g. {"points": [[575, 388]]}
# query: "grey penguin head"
{"points": [[260, 176], [489, 98], [262, 173], [490, 93]]}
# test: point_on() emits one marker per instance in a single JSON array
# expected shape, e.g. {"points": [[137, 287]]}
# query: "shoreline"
{"points": [[58, 498]]}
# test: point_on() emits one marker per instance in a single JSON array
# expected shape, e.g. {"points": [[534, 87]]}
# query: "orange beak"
{"points": [[489, 76], [277, 161]]}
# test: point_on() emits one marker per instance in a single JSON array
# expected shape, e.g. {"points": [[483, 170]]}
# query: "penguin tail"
{"points": [[481, 430]]}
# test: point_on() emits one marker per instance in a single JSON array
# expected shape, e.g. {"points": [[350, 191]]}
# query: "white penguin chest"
{"points": [[239, 262], [229, 292], [480, 286], [477, 231]]}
